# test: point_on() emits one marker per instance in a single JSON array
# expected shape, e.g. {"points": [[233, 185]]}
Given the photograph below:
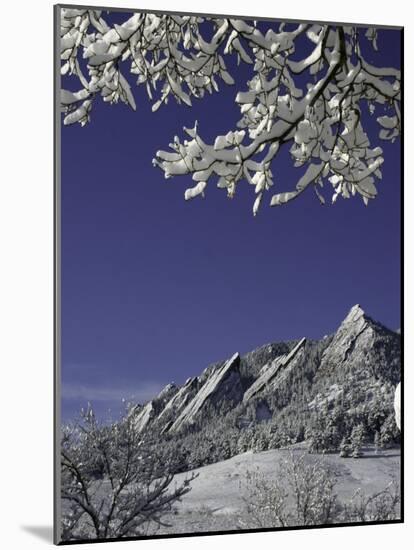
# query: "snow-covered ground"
{"points": [[215, 502]]}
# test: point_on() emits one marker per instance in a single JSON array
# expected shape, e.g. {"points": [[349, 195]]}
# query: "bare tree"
{"points": [[112, 485], [265, 502], [302, 494], [311, 89], [380, 506], [312, 485]]}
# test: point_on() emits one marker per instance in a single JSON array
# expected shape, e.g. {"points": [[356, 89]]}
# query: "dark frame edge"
{"points": [[233, 16], [56, 279], [402, 279]]}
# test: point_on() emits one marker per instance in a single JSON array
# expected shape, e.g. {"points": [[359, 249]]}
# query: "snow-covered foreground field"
{"points": [[216, 500]]}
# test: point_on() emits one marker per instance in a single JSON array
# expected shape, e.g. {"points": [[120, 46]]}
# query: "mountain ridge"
{"points": [[359, 347]]}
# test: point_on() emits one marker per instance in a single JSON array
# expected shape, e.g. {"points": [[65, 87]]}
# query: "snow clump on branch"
{"points": [[316, 104]]}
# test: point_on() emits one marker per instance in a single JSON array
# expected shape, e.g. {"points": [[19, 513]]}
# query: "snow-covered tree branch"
{"points": [[311, 90]]}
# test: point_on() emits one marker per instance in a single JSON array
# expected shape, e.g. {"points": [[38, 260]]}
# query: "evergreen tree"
{"points": [[388, 432], [345, 448], [357, 439]]}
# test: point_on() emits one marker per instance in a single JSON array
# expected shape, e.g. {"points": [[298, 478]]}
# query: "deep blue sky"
{"points": [[155, 288]]}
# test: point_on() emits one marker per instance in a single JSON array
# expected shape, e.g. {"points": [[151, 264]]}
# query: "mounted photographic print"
{"points": [[228, 290]]}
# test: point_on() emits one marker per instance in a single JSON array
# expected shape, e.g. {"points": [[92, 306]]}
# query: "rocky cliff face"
{"points": [[361, 351], [252, 362], [351, 337], [143, 416], [271, 371], [362, 344], [223, 384], [178, 403]]}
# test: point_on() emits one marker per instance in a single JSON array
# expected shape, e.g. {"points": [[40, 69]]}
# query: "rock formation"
{"points": [[144, 415], [361, 352], [181, 399], [224, 383], [269, 371], [360, 342]]}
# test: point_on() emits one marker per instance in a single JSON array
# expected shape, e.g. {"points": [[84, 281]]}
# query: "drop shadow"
{"points": [[43, 532]]}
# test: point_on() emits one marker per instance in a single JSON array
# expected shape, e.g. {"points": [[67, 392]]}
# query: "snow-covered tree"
{"points": [[113, 486], [311, 90], [356, 440], [309, 484], [345, 448]]}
